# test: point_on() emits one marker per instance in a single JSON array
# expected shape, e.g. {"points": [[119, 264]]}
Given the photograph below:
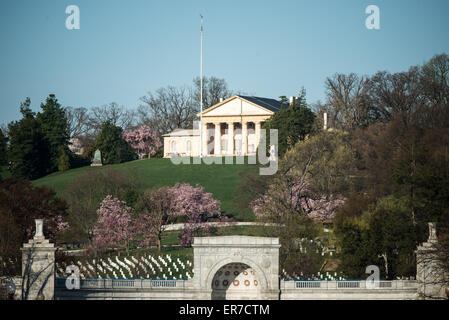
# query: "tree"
{"points": [[155, 212], [355, 249], [396, 95], [293, 123], [214, 89], [393, 237], [168, 109], [63, 160], [78, 121], [113, 227], [435, 79], [198, 207], [55, 128], [28, 150], [297, 196], [144, 141], [348, 102], [3, 149], [85, 193], [113, 146], [20, 204], [113, 113]]}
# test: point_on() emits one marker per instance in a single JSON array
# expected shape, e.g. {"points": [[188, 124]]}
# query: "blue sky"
{"points": [[261, 47]]}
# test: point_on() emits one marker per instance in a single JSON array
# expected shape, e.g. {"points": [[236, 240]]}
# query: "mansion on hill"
{"points": [[231, 127]]}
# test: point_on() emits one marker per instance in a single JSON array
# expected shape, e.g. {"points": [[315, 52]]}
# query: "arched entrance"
{"points": [[235, 281], [241, 254]]}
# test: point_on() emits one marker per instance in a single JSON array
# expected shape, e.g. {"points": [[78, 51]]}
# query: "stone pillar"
{"points": [[38, 267], [257, 133], [217, 138], [244, 138], [204, 147], [428, 273], [230, 138]]}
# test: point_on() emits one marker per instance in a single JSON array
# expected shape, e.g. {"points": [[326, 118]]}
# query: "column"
{"points": [[258, 127], [217, 138], [204, 147], [230, 138], [244, 138]]}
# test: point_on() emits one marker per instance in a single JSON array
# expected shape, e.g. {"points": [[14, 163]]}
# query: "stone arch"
{"points": [[243, 260], [236, 281], [259, 253]]}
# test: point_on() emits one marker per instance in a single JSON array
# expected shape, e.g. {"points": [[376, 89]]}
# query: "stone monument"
{"points": [[98, 159], [38, 266], [428, 273]]}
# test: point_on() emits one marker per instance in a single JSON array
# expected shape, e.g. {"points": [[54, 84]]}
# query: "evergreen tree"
{"points": [[55, 128], [293, 123], [28, 149], [113, 146], [3, 147]]}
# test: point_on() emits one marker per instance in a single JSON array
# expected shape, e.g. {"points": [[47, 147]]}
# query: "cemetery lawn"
{"points": [[220, 180]]}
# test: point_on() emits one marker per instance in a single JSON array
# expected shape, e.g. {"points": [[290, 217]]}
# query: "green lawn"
{"points": [[220, 180]]}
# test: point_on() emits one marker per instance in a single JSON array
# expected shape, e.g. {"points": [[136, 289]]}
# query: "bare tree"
{"points": [[78, 120], [118, 115], [348, 101], [213, 89], [396, 95], [167, 109]]}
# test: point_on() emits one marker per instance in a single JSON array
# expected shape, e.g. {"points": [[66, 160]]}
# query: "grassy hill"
{"points": [[220, 180]]}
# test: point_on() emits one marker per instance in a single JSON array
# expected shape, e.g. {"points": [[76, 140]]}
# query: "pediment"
{"points": [[236, 106]]}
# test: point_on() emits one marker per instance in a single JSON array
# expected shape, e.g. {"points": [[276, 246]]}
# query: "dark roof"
{"points": [[267, 103]]}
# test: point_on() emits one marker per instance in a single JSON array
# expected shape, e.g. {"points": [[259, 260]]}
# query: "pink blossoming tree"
{"points": [[296, 195], [163, 206], [198, 207], [143, 140], [113, 227]]}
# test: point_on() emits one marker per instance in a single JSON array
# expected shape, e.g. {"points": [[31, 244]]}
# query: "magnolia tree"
{"points": [[113, 227], [143, 140], [296, 194], [163, 206], [198, 207]]}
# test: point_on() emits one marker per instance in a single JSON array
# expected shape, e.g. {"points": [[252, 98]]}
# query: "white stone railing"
{"points": [[124, 283], [347, 284]]}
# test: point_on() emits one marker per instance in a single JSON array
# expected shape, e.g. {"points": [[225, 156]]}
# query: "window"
{"points": [[189, 146], [173, 146]]}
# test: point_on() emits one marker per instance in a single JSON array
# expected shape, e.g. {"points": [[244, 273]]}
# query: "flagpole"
{"points": [[201, 89]]}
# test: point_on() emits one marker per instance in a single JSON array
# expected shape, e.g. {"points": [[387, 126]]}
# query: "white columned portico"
{"points": [[230, 138], [244, 138], [217, 138]]}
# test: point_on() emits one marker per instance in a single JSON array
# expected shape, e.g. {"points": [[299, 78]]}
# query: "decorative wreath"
{"points": [[247, 283], [227, 273], [236, 273], [245, 273], [217, 283], [225, 282], [256, 283], [235, 283]]}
